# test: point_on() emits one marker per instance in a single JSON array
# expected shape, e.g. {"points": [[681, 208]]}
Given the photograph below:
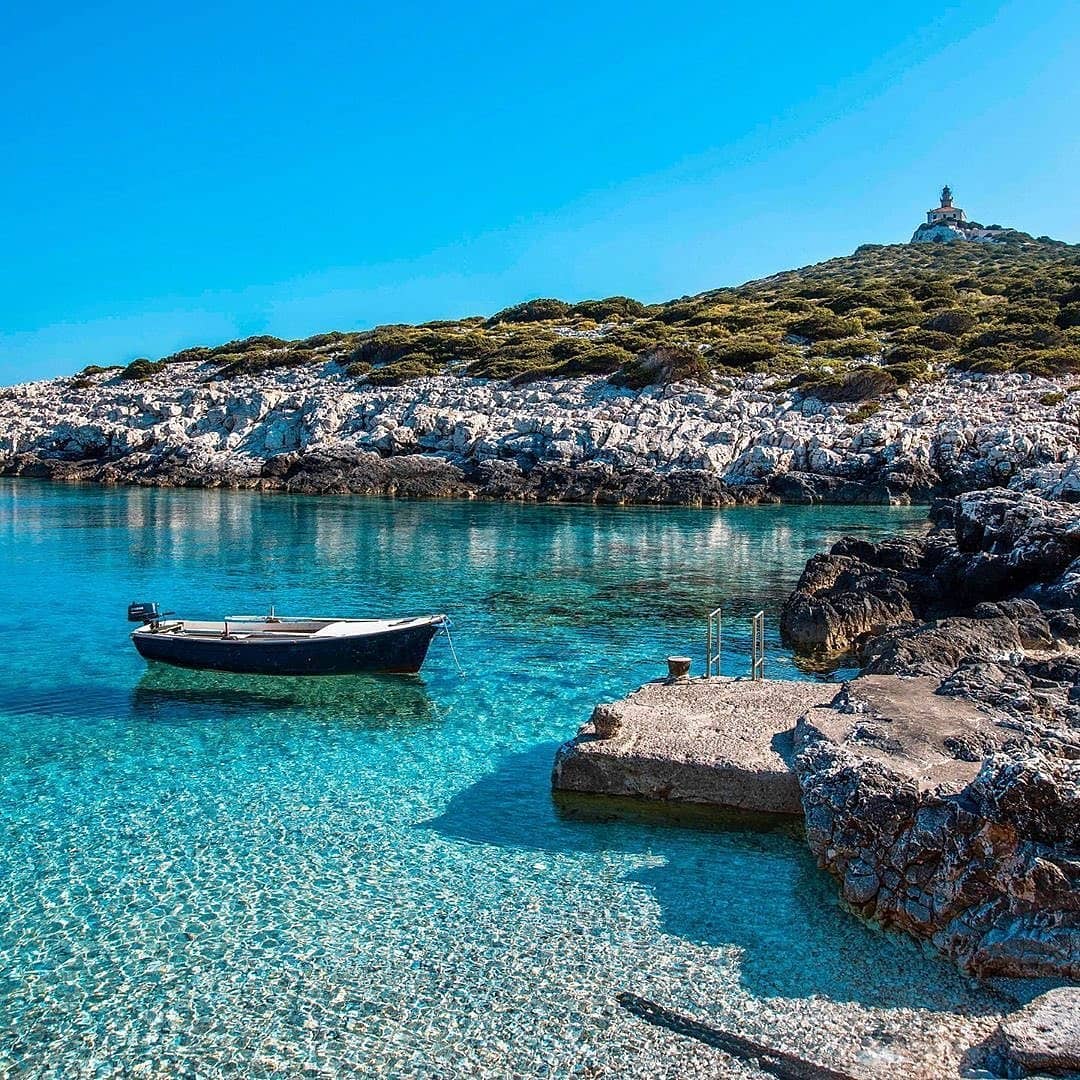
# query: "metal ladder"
{"points": [[757, 647], [712, 644], [713, 636]]}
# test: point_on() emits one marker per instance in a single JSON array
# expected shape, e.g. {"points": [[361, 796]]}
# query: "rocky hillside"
{"points": [[895, 373]]}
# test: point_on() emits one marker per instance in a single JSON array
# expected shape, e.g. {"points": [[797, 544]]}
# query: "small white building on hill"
{"points": [[946, 223]]}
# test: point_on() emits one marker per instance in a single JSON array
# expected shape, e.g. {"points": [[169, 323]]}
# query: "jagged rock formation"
{"points": [[309, 430], [987, 546], [938, 819], [969, 838]]}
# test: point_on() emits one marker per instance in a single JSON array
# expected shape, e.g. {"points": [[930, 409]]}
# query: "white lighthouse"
{"points": [[946, 212]]}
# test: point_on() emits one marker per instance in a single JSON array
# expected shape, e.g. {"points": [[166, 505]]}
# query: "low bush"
{"points": [[859, 384], [141, 369], [863, 412], [1051, 361], [934, 340], [609, 309], [197, 354], [416, 366], [1055, 397], [260, 343], [854, 348], [321, 341], [252, 363], [1068, 316], [823, 325], [907, 372], [741, 354], [952, 321], [668, 364], [1020, 335], [538, 310]]}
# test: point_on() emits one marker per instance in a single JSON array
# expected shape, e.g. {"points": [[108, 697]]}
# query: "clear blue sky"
{"points": [[180, 174]]}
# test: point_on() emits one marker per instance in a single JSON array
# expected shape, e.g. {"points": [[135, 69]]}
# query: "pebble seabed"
{"points": [[206, 877]]}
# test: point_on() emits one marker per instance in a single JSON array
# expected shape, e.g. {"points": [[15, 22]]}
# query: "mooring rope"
{"points": [[453, 651]]}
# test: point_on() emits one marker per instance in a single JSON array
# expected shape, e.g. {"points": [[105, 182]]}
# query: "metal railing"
{"points": [[757, 646], [712, 643]]}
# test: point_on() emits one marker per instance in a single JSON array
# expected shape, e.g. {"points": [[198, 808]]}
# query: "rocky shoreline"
{"points": [[982, 861], [748, 439]]}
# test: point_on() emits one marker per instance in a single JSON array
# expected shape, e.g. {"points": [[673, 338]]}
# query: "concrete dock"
{"points": [[719, 742]]}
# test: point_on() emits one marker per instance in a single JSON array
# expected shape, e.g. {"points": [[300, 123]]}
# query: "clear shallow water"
{"points": [[212, 875]]}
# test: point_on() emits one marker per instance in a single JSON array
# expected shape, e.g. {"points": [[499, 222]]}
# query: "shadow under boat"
{"points": [[172, 695]]}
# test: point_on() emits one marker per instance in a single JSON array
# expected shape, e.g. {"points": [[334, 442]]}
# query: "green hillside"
{"points": [[851, 328]]}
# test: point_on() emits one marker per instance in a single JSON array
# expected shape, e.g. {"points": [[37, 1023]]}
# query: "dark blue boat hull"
{"points": [[396, 651]]}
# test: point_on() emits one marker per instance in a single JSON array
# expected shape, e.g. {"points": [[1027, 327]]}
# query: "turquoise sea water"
{"points": [[212, 875]]}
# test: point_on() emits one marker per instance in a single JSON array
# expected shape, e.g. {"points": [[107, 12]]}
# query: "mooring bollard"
{"points": [[678, 667], [606, 720]]}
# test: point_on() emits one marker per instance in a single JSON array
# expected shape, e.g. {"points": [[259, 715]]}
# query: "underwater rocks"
{"points": [[744, 440]]}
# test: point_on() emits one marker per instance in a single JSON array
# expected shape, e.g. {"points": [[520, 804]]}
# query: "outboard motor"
{"points": [[143, 613]]}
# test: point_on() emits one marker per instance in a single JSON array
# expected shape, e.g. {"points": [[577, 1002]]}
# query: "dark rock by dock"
{"points": [[935, 823]]}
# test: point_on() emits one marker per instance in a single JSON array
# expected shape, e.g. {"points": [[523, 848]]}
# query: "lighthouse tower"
{"points": [[946, 212]]}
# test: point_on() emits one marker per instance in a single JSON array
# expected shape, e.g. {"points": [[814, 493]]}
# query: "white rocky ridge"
{"points": [[968, 430]]}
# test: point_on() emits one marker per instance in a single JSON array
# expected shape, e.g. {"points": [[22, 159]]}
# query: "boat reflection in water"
{"points": [[177, 696]]}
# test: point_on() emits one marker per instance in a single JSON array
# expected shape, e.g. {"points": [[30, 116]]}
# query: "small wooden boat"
{"points": [[269, 645]]}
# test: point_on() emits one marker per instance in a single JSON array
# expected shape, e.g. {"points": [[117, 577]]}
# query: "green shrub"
{"points": [[906, 354], [252, 363], [260, 343], [1068, 316], [792, 304], [990, 366], [823, 325], [1022, 336], [741, 354], [854, 348], [668, 364], [860, 384], [987, 354], [602, 359], [331, 337], [97, 369], [863, 412], [141, 369], [416, 366], [951, 321], [1051, 361], [609, 309], [539, 310], [934, 340], [641, 337], [198, 354], [1030, 313], [909, 371], [1055, 397]]}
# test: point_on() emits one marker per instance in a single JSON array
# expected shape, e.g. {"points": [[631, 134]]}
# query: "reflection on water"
{"points": [[174, 695], [209, 874]]}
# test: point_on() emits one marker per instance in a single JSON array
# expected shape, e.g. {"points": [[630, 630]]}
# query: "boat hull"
{"points": [[394, 651]]}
